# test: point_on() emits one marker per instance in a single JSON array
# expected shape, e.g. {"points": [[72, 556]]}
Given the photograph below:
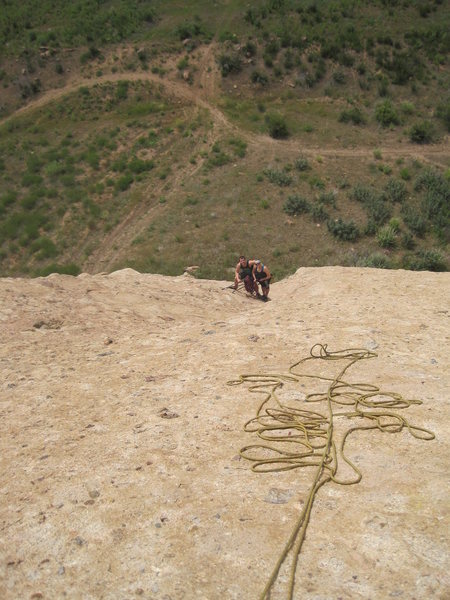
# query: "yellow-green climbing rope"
{"points": [[294, 437]]}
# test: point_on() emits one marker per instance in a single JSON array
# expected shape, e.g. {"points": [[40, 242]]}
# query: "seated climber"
{"points": [[261, 276], [244, 273]]}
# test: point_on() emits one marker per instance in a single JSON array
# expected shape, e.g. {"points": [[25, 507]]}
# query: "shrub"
{"points": [[414, 221], [328, 198], [91, 54], [34, 164], [407, 108], [363, 194], [378, 211], [218, 159], [386, 114], [7, 198], [45, 247], [302, 164], [277, 126], [29, 179], [124, 182], [375, 261], [408, 241], [249, 49], [436, 202], [318, 212], [69, 269], [259, 77], [190, 30], [346, 231], [239, 146], [122, 90], [54, 168], [137, 165], [316, 183], [229, 63], [296, 205], [353, 115], [422, 133], [394, 223], [278, 177], [428, 260], [339, 77], [396, 190], [443, 113], [405, 174], [386, 237]]}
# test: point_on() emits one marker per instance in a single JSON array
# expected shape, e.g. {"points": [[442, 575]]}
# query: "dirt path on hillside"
{"points": [[205, 92]]}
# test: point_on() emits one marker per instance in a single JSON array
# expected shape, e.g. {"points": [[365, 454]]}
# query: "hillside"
{"points": [[157, 136], [120, 467]]}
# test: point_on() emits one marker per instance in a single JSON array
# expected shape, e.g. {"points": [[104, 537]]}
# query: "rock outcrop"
{"points": [[120, 468]]}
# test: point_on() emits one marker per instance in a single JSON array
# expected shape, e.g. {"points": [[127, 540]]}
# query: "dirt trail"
{"points": [[205, 93]]}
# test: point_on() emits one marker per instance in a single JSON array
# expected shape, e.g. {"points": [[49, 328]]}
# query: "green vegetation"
{"points": [[196, 189]]}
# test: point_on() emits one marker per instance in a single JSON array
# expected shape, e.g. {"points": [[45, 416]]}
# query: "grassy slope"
{"points": [[150, 174]]}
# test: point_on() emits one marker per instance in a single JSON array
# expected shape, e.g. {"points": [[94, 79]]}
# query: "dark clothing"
{"points": [[260, 275], [245, 271]]}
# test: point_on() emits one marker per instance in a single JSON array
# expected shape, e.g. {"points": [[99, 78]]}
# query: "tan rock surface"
{"points": [[120, 473]]}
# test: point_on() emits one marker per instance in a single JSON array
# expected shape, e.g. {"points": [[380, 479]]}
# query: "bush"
{"points": [[29, 179], [405, 174], [427, 260], [278, 177], [394, 223], [363, 194], [249, 49], [396, 190], [353, 115], [296, 205], [45, 247], [137, 165], [277, 126], [218, 159], [436, 202], [328, 198], [414, 221], [122, 90], [302, 164], [190, 30], [408, 241], [375, 261], [239, 146], [69, 269], [339, 77], [259, 77], [378, 211], [386, 237], [229, 63], [443, 113], [318, 212], [7, 199], [346, 231], [422, 133], [386, 114], [123, 183]]}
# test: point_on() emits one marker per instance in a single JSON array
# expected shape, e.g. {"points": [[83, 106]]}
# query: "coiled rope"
{"points": [[300, 437]]}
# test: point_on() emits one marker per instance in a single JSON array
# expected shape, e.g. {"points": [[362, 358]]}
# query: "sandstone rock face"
{"points": [[120, 473]]}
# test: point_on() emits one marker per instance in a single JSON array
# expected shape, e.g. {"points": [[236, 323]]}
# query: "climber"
{"points": [[244, 273], [261, 275]]}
